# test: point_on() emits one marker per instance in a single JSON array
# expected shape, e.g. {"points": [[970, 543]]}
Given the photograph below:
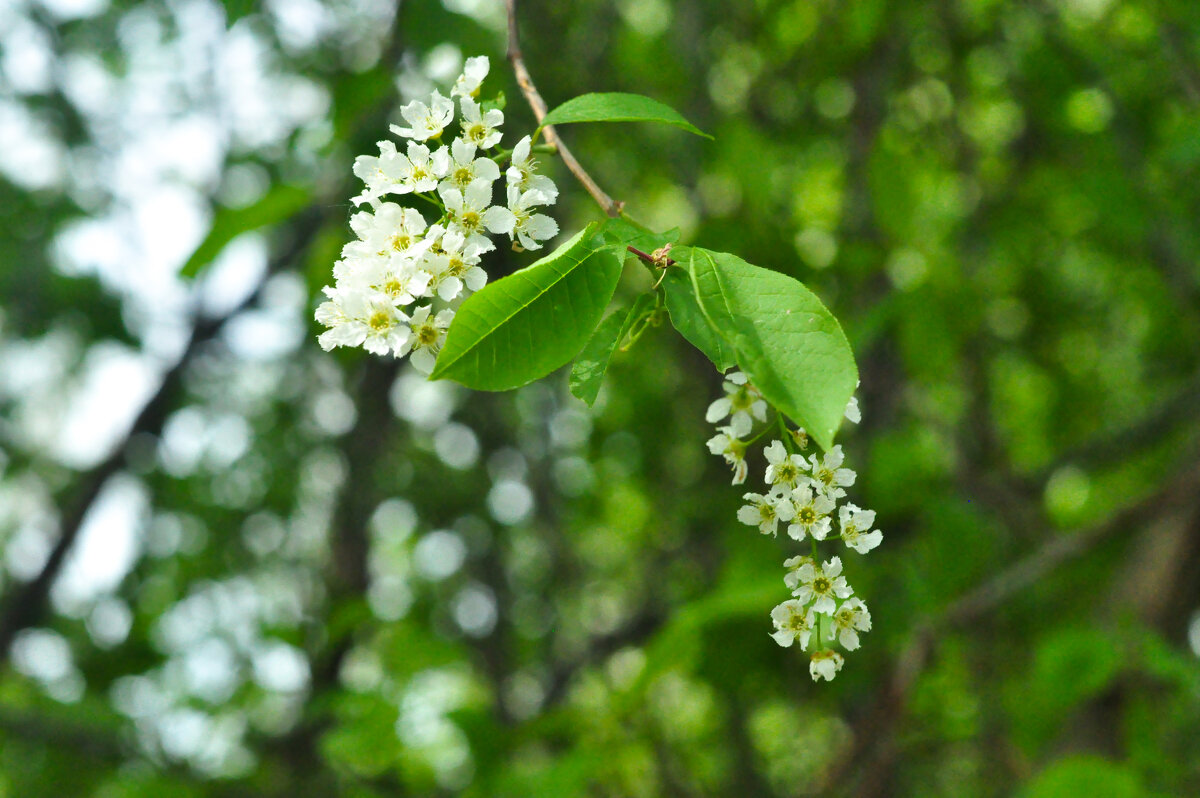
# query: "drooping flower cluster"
{"points": [[396, 286], [802, 495]]}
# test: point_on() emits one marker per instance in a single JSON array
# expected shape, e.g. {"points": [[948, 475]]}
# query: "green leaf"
{"points": [[690, 321], [789, 344], [497, 103], [588, 372], [276, 205], [1085, 775], [526, 325], [618, 107]]}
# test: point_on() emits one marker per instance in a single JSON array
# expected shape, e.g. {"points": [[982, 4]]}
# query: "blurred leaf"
{"points": [[789, 344], [364, 740], [618, 107], [237, 9], [1074, 664], [1071, 665], [276, 205], [523, 327], [1085, 776]]}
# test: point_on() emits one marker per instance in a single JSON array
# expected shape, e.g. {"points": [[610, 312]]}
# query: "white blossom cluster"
{"points": [[397, 284], [802, 494]]}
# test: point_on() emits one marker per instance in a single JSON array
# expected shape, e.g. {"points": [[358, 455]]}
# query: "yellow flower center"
{"points": [[427, 334], [741, 399], [470, 221], [379, 321]]}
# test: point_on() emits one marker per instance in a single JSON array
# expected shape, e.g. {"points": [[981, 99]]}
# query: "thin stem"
{"points": [[816, 617], [430, 200], [783, 433], [648, 258], [638, 327], [610, 206], [761, 433]]}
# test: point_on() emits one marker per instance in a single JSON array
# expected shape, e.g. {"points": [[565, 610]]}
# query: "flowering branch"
{"points": [[538, 105]]}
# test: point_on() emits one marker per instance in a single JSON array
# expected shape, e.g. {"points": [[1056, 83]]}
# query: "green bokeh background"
{"points": [[999, 200]]}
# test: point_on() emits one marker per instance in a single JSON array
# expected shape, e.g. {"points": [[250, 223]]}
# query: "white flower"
{"points": [[474, 71], [470, 214], [850, 619], [428, 335], [422, 169], [829, 474], [800, 438], [480, 127], [358, 265], [391, 228], [784, 471], [794, 564], [765, 512], [383, 174], [426, 121], [530, 228], [855, 523], [825, 665], [464, 168], [521, 172], [454, 264], [727, 444], [791, 621], [743, 401], [812, 514], [402, 280], [361, 318], [853, 414], [820, 584]]}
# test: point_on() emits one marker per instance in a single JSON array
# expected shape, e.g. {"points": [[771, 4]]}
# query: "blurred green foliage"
{"points": [[347, 581]]}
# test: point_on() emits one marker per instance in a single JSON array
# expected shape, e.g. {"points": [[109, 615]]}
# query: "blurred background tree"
{"points": [[234, 565]]}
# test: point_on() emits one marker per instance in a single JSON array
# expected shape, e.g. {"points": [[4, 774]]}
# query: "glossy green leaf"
{"points": [[618, 107], [588, 372], [789, 344], [690, 321], [276, 205], [523, 327]]}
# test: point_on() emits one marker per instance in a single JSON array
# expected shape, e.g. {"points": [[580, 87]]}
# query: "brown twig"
{"points": [[654, 260], [607, 204]]}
